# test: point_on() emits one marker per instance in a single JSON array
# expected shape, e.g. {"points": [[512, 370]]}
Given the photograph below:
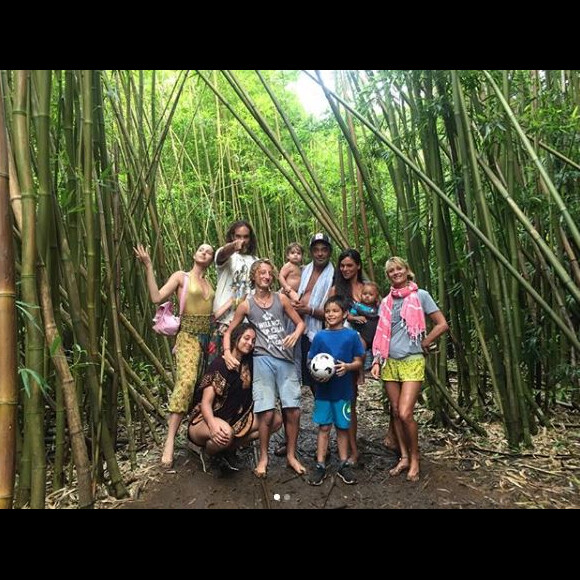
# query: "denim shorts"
{"points": [[274, 378], [410, 368], [335, 413]]}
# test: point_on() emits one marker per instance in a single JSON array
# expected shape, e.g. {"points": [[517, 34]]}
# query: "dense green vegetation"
{"points": [[472, 175]]}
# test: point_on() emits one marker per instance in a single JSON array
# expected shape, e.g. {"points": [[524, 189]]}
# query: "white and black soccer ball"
{"points": [[322, 367]]}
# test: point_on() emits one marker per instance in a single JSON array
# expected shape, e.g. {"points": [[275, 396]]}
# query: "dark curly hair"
{"points": [[230, 235]]}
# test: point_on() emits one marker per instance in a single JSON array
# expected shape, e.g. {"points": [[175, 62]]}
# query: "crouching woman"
{"points": [[223, 416]]}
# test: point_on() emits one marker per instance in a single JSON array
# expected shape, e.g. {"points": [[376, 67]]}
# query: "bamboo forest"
{"points": [[473, 176]]}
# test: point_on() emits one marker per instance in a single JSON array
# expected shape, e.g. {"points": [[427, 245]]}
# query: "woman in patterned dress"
{"points": [[223, 416], [193, 337]]}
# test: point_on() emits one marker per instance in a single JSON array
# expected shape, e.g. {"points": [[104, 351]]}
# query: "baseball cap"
{"points": [[320, 237]]}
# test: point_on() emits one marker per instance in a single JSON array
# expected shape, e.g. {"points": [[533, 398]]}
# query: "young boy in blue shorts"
{"points": [[332, 399]]}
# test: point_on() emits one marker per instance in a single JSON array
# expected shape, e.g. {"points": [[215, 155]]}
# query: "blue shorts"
{"points": [[335, 413], [274, 379]]}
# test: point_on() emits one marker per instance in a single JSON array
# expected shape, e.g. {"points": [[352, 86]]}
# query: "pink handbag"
{"points": [[166, 322]]}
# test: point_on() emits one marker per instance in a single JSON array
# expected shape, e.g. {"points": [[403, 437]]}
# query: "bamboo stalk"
{"points": [[117, 335], [72, 186], [41, 115], [110, 228], [34, 408], [60, 438], [447, 396], [92, 264], [440, 225], [326, 217], [297, 144], [343, 187], [8, 360], [300, 191], [562, 208], [362, 208], [75, 426], [354, 181], [516, 419], [559, 270], [163, 375], [469, 223], [379, 212], [79, 327]]}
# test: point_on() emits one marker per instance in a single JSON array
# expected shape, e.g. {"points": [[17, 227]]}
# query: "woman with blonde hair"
{"points": [[399, 348]]}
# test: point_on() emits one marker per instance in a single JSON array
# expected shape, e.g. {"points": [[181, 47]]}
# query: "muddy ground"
{"points": [[458, 471]]}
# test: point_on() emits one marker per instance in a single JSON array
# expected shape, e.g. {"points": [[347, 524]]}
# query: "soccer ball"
{"points": [[322, 367]]}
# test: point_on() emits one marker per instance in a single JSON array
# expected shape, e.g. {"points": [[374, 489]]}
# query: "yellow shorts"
{"points": [[411, 368]]}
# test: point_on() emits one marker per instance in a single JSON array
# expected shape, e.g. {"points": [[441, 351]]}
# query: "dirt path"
{"points": [[189, 487], [454, 474]]}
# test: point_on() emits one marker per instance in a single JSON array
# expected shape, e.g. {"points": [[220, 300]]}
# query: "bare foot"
{"points": [[353, 461], [167, 457], [294, 464], [261, 470], [413, 475], [403, 465]]}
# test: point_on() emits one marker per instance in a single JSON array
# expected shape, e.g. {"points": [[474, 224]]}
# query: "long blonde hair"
{"points": [[395, 260]]}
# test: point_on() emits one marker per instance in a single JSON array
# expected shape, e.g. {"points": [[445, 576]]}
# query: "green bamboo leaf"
{"points": [[24, 308], [26, 374]]}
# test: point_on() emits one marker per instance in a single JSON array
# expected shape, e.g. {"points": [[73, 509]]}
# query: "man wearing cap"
{"points": [[315, 283]]}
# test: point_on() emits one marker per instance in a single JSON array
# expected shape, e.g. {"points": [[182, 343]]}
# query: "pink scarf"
{"points": [[411, 313]]}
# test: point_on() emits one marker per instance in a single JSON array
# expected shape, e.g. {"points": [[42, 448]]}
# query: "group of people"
{"points": [[268, 339]]}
